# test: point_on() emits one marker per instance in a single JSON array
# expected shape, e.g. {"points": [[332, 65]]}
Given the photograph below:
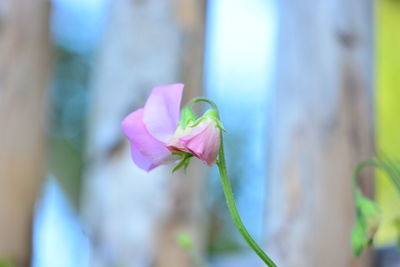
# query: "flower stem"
{"points": [[392, 172], [205, 100], [226, 185], [230, 200]]}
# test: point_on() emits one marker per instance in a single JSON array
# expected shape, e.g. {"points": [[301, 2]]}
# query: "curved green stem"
{"points": [[392, 173], [206, 100], [230, 200], [233, 209]]}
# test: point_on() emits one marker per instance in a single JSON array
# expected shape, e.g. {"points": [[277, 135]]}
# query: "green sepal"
{"points": [[187, 117], [211, 115], [184, 161]]}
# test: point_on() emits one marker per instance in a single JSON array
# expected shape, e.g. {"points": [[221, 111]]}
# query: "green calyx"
{"points": [[183, 161], [187, 117], [189, 120], [211, 116], [186, 125], [368, 219]]}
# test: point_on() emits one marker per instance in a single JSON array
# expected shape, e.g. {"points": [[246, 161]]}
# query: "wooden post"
{"points": [[322, 126], [24, 72], [134, 216]]}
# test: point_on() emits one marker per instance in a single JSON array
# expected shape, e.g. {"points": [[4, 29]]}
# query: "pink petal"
{"points": [[203, 142], [162, 110], [140, 160], [174, 144], [147, 152]]}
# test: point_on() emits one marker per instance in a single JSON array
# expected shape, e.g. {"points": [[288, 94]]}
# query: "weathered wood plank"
{"points": [[322, 126], [134, 216], [24, 72]]}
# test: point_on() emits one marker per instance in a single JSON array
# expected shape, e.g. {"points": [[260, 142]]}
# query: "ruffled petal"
{"points": [[162, 111], [147, 151]]}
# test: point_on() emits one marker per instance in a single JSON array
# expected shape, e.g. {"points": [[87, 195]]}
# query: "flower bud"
{"points": [[204, 141], [201, 138]]}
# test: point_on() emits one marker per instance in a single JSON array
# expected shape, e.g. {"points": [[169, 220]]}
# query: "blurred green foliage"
{"points": [[388, 109], [368, 213], [6, 263], [69, 98]]}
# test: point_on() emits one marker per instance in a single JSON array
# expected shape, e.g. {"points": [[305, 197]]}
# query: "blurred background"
{"points": [[307, 89]]}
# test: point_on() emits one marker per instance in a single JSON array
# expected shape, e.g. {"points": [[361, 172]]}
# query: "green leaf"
{"points": [[368, 219], [358, 237]]}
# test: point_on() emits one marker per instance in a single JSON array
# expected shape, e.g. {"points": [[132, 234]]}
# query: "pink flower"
{"points": [[156, 130], [150, 127]]}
